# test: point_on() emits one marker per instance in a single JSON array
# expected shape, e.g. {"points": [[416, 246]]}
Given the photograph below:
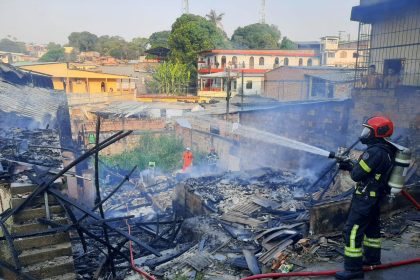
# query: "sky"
{"points": [[43, 21]]}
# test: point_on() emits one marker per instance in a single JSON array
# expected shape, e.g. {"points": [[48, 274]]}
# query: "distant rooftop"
{"points": [[263, 52], [340, 76]]}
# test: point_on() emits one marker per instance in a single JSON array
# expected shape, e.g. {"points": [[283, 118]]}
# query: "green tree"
{"points": [[8, 45], [54, 55], [53, 46], [159, 39], [136, 47], [170, 78], [83, 41], [190, 35], [257, 36], [215, 18], [115, 46], [287, 44]]}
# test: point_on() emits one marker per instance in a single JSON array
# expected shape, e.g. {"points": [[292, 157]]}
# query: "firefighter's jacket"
{"points": [[372, 170]]}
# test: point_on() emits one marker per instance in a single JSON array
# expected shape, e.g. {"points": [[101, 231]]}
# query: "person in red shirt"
{"points": [[188, 159]]}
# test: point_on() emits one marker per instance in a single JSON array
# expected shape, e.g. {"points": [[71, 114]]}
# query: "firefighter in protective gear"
{"points": [[370, 172], [188, 158]]}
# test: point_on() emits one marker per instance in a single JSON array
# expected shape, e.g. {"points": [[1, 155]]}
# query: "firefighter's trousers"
{"points": [[362, 231]]}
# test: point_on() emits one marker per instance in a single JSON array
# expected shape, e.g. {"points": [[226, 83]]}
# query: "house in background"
{"points": [[68, 77], [36, 50], [242, 71], [288, 83], [11, 57], [336, 53], [90, 56]]}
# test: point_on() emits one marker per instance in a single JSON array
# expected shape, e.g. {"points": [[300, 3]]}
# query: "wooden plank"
{"points": [[241, 219]]}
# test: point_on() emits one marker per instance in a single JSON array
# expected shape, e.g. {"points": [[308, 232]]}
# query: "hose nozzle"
{"points": [[338, 157]]}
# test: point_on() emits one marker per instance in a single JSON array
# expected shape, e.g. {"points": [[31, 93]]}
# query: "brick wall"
{"points": [[108, 125]]}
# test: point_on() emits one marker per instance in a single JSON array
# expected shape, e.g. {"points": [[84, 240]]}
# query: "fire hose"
{"points": [[410, 198], [132, 263], [331, 272]]}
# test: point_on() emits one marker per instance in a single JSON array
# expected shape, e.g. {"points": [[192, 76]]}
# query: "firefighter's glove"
{"points": [[346, 165]]}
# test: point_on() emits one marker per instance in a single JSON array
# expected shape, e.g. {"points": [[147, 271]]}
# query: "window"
{"points": [[214, 129], [309, 63], [249, 85], [343, 54], [223, 61], [300, 61], [163, 113], [286, 61], [251, 62], [261, 61], [277, 61], [331, 54], [234, 61], [395, 64]]}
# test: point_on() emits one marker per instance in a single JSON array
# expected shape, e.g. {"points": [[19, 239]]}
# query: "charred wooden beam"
{"points": [[82, 208], [16, 271], [43, 187], [98, 192], [9, 240]]}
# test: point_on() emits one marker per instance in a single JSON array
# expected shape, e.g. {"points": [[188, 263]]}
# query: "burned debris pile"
{"points": [[146, 195], [28, 148], [242, 222]]}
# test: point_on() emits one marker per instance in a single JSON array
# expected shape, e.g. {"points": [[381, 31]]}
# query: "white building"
{"points": [[219, 69]]}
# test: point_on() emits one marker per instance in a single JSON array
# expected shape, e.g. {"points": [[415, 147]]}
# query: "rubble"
{"points": [[21, 149]]}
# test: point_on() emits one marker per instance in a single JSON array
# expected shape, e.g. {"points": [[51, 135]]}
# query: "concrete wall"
{"points": [[401, 105], [289, 83], [321, 124], [397, 37]]}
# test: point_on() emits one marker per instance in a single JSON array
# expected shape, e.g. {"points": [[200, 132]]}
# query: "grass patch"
{"points": [[164, 150]]}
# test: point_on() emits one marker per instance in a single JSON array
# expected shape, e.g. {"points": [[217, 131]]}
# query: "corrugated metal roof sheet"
{"points": [[40, 105]]}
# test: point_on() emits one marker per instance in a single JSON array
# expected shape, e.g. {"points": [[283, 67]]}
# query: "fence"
{"points": [[391, 56]]}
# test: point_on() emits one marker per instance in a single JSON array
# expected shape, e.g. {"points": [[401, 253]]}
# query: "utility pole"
{"points": [[243, 92], [228, 93], [186, 7], [262, 12], [340, 33]]}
